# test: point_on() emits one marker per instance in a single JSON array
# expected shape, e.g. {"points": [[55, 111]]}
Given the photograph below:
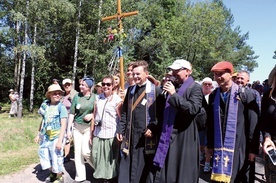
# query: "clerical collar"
{"points": [[142, 84]]}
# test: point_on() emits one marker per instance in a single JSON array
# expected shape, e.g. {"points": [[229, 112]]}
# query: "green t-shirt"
{"points": [[82, 105]]}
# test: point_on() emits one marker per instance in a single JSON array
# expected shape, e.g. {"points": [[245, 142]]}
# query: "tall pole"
{"points": [[119, 17]]}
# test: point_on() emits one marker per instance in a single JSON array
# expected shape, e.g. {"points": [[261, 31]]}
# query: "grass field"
{"points": [[17, 147]]}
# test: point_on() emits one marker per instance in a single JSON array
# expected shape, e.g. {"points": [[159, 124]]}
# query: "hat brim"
{"points": [[174, 67], [47, 95]]}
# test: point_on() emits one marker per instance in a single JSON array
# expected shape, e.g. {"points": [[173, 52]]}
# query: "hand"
{"points": [[119, 137], [36, 139], [88, 117], [148, 133], [251, 157], [58, 145], [169, 87], [268, 143]]}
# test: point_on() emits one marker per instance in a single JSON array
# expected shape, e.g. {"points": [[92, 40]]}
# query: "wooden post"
{"points": [[119, 17]]}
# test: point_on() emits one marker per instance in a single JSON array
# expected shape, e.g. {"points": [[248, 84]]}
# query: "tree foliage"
{"points": [[164, 30]]}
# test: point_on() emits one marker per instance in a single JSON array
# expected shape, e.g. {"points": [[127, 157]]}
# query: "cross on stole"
{"points": [[151, 144], [226, 159], [119, 17]]}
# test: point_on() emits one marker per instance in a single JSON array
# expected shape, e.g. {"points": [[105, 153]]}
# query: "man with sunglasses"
{"points": [[177, 154], [232, 130]]}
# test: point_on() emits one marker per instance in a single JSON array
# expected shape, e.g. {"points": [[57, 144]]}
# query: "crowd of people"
{"points": [[157, 132]]}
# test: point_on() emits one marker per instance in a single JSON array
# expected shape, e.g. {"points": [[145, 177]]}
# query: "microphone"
{"points": [[172, 80]]}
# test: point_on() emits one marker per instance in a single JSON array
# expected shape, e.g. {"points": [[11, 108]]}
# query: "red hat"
{"points": [[223, 66]]}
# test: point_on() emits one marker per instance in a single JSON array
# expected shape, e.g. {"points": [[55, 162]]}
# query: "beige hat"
{"points": [[99, 84], [51, 88], [11, 90]]}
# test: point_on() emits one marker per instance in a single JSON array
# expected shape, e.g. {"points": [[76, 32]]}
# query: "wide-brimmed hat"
{"points": [[223, 66], [271, 76], [181, 63], [11, 90], [51, 88]]}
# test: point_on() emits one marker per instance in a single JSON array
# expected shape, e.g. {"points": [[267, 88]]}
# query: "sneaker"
{"points": [[51, 178], [207, 167], [59, 180]]}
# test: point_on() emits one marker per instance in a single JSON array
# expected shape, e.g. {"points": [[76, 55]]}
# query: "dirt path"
{"points": [[34, 174]]}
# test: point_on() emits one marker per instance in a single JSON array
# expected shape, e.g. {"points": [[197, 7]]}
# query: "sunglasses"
{"points": [[207, 84], [106, 84]]}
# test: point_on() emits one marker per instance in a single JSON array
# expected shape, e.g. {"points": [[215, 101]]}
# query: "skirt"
{"points": [[105, 157]]}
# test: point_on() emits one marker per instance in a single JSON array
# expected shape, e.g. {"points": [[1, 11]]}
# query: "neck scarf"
{"points": [[224, 152], [168, 122]]}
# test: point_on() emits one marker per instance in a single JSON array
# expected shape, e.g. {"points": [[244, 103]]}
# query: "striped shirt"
{"points": [[109, 117]]}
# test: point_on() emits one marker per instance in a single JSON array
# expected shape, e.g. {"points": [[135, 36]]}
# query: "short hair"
{"points": [[244, 71], [109, 77], [130, 64], [142, 63]]}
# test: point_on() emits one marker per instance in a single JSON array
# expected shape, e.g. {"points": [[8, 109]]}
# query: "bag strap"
{"points": [[138, 100]]}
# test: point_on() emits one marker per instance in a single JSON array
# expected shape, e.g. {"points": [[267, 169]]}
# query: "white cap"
{"points": [[181, 63], [66, 81], [207, 79]]}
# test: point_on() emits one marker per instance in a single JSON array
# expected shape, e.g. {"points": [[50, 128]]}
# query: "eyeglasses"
{"points": [[207, 84], [107, 84]]}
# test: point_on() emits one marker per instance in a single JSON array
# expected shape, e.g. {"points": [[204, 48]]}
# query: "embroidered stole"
{"points": [[150, 142], [224, 152], [168, 122]]}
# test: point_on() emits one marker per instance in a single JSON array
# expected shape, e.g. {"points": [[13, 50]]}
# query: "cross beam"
{"points": [[119, 17]]}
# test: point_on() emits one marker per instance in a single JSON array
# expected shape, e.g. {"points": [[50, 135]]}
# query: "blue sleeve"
{"points": [[63, 112]]}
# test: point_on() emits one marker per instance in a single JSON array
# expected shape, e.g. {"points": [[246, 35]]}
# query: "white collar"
{"points": [[148, 87]]}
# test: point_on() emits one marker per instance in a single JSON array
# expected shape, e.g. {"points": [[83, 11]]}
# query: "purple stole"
{"points": [[224, 152], [168, 122]]}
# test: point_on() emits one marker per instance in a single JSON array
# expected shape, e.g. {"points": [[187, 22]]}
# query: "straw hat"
{"points": [[51, 88], [11, 90]]}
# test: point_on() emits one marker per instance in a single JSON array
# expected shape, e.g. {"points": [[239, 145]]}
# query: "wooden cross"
{"points": [[119, 17]]}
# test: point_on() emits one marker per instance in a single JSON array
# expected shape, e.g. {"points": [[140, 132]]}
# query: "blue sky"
{"points": [[258, 17]]}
